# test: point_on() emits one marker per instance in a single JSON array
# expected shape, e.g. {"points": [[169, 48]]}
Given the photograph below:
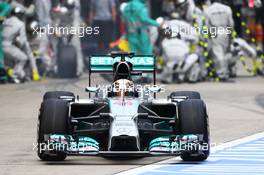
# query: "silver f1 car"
{"points": [[122, 119]]}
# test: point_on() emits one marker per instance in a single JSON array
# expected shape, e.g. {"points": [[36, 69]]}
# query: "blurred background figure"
{"points": [[66, 13], [42, 20], [103, 15], [262, 22], [132, 29], [188, 11], [43, 9], [237, 6], [5, 9], [16, 46], [192, 12], [137, 20], [239, 49], [220, 15], [180, 63]]}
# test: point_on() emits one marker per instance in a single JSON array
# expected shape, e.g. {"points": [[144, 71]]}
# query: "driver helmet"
{"points": [[123, 87]]}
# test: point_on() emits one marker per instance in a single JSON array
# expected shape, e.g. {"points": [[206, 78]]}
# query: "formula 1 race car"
{"points": [[123, 119]]}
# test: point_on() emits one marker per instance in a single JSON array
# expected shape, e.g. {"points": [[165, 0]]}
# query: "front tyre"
{"points": [[53, 119], [193, 119], [56, 94]]}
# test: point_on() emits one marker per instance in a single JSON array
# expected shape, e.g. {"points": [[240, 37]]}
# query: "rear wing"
{"points": [[104, 63]]}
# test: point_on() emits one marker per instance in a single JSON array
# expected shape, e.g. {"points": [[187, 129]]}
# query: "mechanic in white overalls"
{"points": [[43, 9], [67, 14], [176, 53], [16, 47], [220, 16]]}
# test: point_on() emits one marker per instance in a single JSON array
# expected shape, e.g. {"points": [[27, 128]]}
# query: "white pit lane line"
{"points": [[234, 157]]}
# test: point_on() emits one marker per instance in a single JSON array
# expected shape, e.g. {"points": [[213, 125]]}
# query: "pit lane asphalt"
{"points": [[235, 110]]}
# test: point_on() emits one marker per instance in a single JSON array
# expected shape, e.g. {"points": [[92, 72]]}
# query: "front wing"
{"points": [[86, 146]]}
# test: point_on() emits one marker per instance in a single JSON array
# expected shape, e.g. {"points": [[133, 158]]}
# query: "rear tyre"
{"points": [[189, 94], [53, 119], [193, 119], [67, 61], [56, 94]]}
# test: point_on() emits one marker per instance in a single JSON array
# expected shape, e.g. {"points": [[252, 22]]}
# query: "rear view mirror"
{"points": [[92, 89], [154, 89]]}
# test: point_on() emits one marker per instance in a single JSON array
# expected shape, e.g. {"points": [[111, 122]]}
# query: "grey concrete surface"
{"points": [[235, 110]]}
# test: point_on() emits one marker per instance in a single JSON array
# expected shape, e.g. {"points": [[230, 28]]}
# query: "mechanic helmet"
{"points": [[200, 3], [122, 6], [258, 3], [180, 2], [181, 7], [18, 12], [123, 87], [70, 4], [32, 26], [235, 47]]}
